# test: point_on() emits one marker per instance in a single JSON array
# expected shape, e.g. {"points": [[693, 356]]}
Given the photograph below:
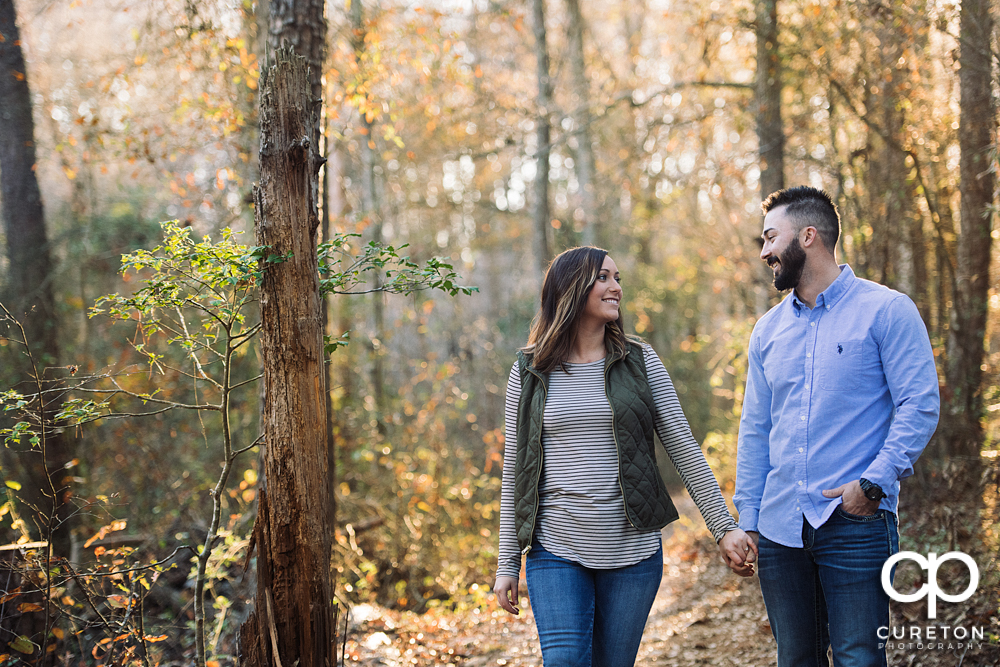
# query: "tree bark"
{"points": [[28, 288], [543, 137], [372, 211], [581, 123], [770, 133], [292, 620], [964, 407]]}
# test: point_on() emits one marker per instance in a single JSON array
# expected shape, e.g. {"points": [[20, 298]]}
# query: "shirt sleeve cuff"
{"points": [[509, 569], [880, 474], [748, 519]]}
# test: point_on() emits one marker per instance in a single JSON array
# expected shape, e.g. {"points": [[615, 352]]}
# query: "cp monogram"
{"points": [[931, 590]]}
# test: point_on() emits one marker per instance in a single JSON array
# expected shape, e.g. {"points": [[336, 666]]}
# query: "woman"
{"points": [[582, 496]]}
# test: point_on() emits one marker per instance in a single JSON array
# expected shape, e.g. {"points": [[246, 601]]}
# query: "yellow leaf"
{"points": [[159, 638], [25, 607], [70, 173], [13, 485], [58, 633]]}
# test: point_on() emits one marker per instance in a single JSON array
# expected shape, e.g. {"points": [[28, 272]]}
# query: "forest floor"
{"points": [[703, 615]]}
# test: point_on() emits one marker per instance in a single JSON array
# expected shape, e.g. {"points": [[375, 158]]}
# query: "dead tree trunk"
{"points": [[540, 209], [292, 620]]}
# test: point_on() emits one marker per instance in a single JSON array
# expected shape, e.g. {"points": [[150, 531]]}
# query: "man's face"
{"points": [[782, 250]]}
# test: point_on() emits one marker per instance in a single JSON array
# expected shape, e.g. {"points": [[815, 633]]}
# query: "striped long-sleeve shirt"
{"points": [[581, 513]]}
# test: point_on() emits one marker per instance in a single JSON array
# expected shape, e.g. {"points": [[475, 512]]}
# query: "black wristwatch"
{"points": [[873, 491]]}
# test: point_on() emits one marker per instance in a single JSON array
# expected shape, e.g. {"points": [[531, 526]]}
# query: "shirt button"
{"points": [[800, 482], [812, 324], [809, 355], [802, 417], [807, 385], [801, 450]]}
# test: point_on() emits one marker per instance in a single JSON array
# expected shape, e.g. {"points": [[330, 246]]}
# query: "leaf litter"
{"points": [[703, 615]]}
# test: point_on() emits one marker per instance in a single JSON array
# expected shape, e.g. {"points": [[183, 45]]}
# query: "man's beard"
{"points": [[792, 260]]}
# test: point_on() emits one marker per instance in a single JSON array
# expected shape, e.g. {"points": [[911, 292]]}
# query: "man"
{"points": [[841, 398]]}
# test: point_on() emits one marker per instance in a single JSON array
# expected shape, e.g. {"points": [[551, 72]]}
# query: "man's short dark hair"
{"points": [[808, 207]]}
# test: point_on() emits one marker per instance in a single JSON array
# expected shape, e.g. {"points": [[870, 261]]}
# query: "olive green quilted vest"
{"points": [[647, 503]]}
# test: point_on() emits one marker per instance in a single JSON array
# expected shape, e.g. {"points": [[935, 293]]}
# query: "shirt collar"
{"points": [[829, 297]]}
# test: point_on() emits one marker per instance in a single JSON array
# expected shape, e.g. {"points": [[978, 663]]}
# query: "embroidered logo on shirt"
{"points": [[840, 349]]}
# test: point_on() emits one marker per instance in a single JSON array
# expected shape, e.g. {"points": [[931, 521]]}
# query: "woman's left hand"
{"points": [[739, 552]]}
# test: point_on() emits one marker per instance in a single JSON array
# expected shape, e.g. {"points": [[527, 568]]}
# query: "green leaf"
{"points": [[23, 645]]}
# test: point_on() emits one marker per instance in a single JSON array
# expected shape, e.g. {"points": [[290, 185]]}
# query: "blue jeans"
{"points": [[587, 617], [829, 592]]}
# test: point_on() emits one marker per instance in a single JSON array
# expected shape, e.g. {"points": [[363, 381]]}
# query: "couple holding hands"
{"points": [[841, 397]]}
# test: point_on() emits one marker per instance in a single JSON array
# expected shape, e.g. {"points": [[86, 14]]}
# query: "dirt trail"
{"points": [[703, 615]]}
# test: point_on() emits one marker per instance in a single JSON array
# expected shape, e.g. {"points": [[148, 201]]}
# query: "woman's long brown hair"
{"points": [[567, 284]]}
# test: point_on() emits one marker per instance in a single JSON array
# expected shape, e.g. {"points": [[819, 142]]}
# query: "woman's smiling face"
{"points": [[606, 294]]}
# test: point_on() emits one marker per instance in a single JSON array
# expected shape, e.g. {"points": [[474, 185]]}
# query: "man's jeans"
{"points": [[587, 617], [829, 593]]}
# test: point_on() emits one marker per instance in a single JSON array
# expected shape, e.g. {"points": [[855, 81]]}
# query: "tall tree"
{"points": [[580, 87], [292, 620], [543, 137], [28, 285], [371, 208], [964, 407], [770, 133]]}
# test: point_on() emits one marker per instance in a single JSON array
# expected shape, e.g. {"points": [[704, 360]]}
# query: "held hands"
{"points": [[506, 591], [855, 501], [739, 551]]}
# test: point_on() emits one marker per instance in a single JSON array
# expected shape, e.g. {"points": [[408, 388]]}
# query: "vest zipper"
{"points": [[614, 434], [541, 459]]}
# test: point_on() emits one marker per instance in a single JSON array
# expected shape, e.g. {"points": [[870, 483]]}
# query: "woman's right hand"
{"points": [[506, 592]]}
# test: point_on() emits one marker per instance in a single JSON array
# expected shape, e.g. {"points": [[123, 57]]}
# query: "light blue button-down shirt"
{"points": [[841, 391]]}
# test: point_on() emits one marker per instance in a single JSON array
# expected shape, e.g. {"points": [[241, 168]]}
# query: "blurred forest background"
{"points": [[493, 134]]}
